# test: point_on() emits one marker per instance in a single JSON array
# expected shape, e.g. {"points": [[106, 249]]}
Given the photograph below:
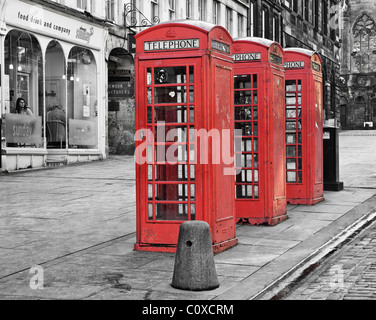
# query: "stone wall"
{"points": [[358, 70]]}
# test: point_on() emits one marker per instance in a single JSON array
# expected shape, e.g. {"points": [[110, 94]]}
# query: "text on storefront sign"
{"points": [[41, 20]]}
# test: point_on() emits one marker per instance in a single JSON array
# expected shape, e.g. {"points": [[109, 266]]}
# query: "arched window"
{"points": [[364, 30], [55, 96], [23, 78], [82, 98], [24, 67], [364, 33]]}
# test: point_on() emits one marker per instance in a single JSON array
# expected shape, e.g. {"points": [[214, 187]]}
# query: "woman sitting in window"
{"points": [[22, 108]]}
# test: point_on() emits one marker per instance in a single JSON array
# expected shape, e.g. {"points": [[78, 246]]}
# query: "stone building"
{"points": [[126, 18], [52, 101], [308, 24], [358, 70]]}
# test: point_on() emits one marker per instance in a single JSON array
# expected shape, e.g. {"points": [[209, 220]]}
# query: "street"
{"points": [[74, 226], [349, 274]]}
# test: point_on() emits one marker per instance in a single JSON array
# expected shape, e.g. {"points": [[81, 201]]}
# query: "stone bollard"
{"points": [[194, 260]]}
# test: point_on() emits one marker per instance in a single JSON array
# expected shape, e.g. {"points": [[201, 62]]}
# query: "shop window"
{"points": [[82, 99], [55, 92], [23, 82]]}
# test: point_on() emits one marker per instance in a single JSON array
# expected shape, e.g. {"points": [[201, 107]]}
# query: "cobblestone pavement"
{"points": [[349, 274]]}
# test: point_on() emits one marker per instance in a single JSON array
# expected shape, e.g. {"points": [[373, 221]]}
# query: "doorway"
{"points": [[121, 103]]}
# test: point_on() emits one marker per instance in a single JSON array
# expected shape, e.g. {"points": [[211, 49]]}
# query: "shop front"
{"points": [[52, 103]]}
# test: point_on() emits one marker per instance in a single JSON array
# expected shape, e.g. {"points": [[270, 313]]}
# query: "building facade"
{"points": [[358, 69], [127, 18], [52, 60], [307, 24], [72, 62], [88, 72]]}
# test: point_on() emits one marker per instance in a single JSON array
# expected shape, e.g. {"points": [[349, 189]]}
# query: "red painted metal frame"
{"points": [[267, 173], [307, 189], [213, 102]]}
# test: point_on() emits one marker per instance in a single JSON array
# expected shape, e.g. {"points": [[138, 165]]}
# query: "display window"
{"points": [[23, 82], [56, 103], [55, 91], [82, 100]]}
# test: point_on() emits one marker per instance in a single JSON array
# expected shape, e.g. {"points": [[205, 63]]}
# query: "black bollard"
{"points": [[194, 268]]}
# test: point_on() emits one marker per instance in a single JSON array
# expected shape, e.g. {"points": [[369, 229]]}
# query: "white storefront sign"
{"points": [[37, 19]]}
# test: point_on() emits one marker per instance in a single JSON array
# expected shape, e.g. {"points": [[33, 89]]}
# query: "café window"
{"points": [[23, 82], [55, 92], [82, 100]]}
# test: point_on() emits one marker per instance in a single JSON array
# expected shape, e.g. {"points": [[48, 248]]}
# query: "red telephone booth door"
{"points": [[295, 129], [304, 127], [259, 93], [170, 110], [247, 85]]}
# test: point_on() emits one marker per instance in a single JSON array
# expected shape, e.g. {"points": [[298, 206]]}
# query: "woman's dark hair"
{"points": [[18, 106]]}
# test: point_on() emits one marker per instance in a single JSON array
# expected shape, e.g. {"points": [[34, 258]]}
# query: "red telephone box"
{"points": [[259, 90], [304, 127], [184, 103]]}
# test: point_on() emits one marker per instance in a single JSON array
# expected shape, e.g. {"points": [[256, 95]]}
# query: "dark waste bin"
{"points": [[331, 159]]}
